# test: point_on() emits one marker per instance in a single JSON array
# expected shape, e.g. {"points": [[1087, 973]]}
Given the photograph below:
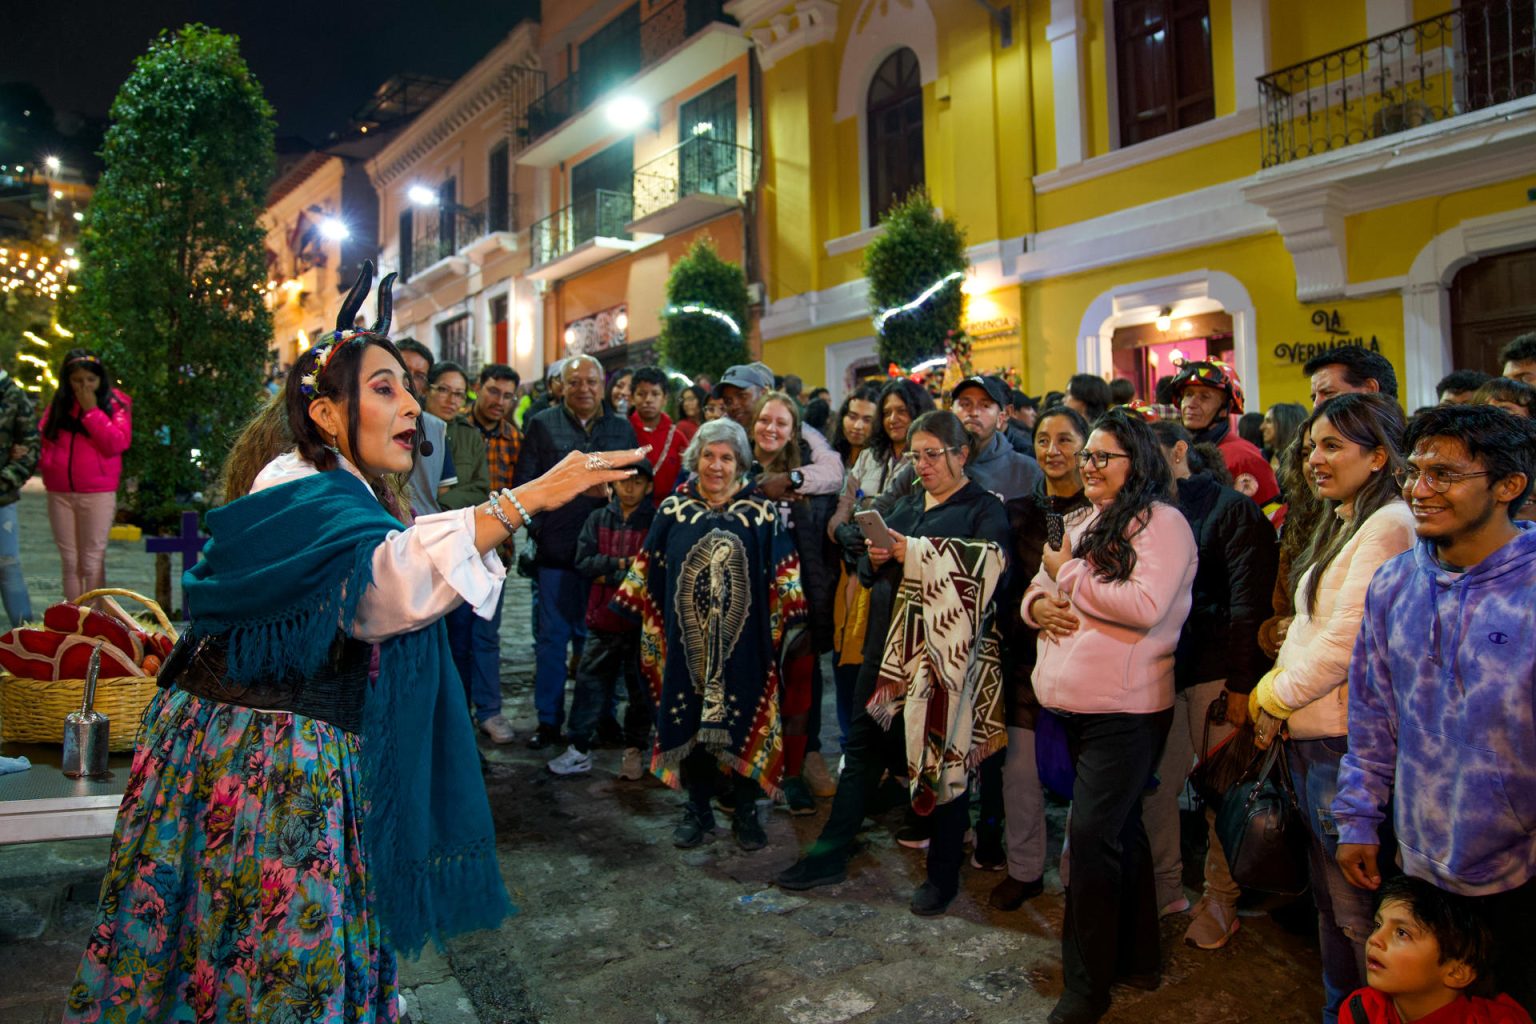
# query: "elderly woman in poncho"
{"points": [[929, 695], [717, 592]]}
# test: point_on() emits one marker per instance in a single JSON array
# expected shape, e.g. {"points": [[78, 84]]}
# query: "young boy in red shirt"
{"points": [[1427, 956]]}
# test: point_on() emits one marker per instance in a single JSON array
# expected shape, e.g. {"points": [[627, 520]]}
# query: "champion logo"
{"points": [[1499, 638]]}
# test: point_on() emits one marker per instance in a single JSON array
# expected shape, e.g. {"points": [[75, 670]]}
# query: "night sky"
{"points": [[318, 61]]}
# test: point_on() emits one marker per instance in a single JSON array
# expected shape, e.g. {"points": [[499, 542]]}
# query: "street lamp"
{"points": [[334, 229], [420, 195], [626, 113], [53, 164]]}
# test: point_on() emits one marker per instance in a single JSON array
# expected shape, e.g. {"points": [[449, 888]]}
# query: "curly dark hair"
{"points": [[1107, 543], [864, 393]]}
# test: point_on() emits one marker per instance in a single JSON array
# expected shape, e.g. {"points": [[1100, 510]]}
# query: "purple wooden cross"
{"points": [[190, 543]]}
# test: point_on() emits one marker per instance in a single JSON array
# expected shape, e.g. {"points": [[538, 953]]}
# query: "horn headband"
{"points": [[346, 333]]}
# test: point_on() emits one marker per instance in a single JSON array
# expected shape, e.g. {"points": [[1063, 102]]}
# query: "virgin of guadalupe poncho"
{"points": [[941, 665], [717, 594]]}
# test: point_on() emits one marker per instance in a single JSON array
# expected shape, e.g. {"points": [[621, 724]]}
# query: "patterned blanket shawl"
{"points": [[941, 665]]}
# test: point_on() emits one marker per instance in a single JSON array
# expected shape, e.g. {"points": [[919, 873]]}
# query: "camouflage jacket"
{"points": [[18, 430]]}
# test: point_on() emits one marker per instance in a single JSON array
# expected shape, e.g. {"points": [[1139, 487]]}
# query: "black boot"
{"points": [[749, 831]]}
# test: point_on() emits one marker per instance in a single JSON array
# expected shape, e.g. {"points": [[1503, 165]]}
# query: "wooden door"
{"points": [[1492, 301]]}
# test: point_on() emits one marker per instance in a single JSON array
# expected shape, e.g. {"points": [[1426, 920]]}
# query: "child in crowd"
{"points": [[1428, 952], [610, 539]]}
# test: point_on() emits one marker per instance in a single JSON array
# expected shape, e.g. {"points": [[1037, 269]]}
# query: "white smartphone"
{"points": [[874, 529]]}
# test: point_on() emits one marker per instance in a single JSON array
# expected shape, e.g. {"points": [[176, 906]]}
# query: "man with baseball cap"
{"points": [[1209, 396], [740, 388]]}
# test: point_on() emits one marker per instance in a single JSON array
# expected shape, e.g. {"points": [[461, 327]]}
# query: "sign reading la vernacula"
{"points": [[1329, 323]]}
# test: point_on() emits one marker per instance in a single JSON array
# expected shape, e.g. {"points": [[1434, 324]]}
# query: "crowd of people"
{"points": [[1081, 593]]}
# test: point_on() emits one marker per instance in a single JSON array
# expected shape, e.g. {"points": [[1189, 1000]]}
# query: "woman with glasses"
{"points": [[1356, 441], [1109, 604], [1060, 434], [946, 558]]}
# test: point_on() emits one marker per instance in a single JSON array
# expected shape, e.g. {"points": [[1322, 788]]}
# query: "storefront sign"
{"points": [[1330, 323], [986, 330]]}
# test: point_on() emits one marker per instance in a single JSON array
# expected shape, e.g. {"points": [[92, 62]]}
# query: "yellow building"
{"points": [[1246, 178]]}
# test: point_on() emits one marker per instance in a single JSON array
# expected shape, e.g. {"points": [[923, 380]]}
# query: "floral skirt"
{"points": [[237, 889]]}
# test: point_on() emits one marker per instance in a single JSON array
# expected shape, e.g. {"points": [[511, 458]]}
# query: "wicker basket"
{"points": [[33, 710]]}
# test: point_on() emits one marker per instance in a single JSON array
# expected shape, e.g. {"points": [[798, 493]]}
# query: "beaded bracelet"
{"points": [[506, 492], [499, 514]]}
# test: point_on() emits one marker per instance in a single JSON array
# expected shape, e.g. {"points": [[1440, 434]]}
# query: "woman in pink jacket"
{"points": [[85, 431], [1109, 604]]}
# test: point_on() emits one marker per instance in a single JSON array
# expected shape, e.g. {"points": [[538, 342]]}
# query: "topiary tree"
{"points": [[916, 251], [702, 292], [174, 268]]}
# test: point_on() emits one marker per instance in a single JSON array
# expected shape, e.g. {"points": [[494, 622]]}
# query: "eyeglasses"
{"points": [[447, 392], [930, 455], [1439, 480], [1099, 459]]}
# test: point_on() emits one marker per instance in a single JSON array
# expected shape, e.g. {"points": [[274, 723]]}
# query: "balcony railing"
{"points": [[664, 29], [600, 214], [445, 232], [1475, 56], [700, 166]]}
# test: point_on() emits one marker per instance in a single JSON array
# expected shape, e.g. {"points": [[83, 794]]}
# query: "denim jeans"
{"points": [[844, 677], [562, 624], [13, 585], [1345, 915], [476, 647]]}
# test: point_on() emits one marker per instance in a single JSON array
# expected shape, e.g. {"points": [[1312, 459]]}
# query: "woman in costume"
{"points": [[717, 593], [289, 824], [929, 702]]}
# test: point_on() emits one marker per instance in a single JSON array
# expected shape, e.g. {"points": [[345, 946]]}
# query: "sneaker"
{"points": [[929, 900], [1010, 893], [989, 855], [693, 827], [747, 829], [498, 729], [546, 736], [572, 762], [816, 776], [798, 796], [1213, 925], [813, 870], [1176, 906], [632, 769], [913, 835]]}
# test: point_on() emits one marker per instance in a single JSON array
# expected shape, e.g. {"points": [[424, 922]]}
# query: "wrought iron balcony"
{"points": [[448, 231], [690, 182], [663, 30], [599, 215], [1478, 55]]}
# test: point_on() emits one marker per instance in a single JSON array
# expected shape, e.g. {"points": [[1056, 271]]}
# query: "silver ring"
{"points": [[596, 462]]}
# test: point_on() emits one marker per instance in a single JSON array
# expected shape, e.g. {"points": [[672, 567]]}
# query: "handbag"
{"points": [[1220, 769], [1053, 759], [1262, 829]]}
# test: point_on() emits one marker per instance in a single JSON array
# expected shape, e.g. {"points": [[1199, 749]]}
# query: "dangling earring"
{"points": [[330, 446]]}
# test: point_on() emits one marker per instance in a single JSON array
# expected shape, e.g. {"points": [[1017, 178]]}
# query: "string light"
{"points": [[927, 293], [715, 314]]}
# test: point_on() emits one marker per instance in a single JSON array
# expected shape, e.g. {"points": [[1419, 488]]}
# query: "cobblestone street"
{"points": [[618, 927]]}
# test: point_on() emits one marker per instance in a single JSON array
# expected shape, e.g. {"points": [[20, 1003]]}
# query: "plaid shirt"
{"points": [[503, 444]]}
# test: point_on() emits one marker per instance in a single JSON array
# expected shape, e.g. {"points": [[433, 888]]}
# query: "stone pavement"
{"points": [[618, 927]]}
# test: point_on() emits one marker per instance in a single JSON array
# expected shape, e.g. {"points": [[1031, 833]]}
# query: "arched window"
{"points": [[894, 113]]}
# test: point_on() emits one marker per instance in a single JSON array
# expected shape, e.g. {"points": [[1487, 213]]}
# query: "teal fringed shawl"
{"points": [[283, 570]]}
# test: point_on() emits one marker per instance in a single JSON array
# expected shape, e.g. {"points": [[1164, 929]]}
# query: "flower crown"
{"points": [[345, 333], [309, 384]]}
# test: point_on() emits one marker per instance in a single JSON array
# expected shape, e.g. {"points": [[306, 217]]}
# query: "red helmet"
{"points": [[1211, 373]]}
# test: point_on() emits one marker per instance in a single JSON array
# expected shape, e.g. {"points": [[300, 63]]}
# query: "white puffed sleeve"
{"points": [[422, 573]]}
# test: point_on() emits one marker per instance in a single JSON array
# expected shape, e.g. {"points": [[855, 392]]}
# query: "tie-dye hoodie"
{"points": [[1443, 704]]}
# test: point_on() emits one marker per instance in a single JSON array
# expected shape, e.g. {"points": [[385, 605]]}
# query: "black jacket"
{"points": [[547, 438], [1239, 557], [1027, 519], [968, 513]]}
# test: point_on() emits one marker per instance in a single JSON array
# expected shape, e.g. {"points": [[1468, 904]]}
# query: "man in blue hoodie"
{"points": [[1442, 686]]}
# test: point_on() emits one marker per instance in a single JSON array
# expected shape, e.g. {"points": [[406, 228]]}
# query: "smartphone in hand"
{"points": [[873, 526], [1055, 530]]}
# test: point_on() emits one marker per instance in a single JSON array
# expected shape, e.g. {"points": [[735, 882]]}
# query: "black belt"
{"points": [[333, 694]]}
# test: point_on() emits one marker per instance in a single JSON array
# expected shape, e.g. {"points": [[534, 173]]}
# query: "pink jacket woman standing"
{"points": [[88, 426]]}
